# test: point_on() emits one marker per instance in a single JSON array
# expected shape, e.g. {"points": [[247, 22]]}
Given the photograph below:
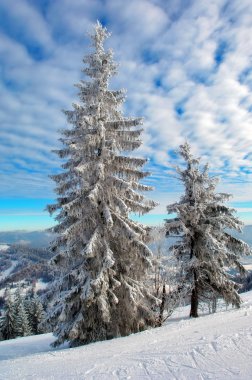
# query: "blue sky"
{"points": [[187, 69]]}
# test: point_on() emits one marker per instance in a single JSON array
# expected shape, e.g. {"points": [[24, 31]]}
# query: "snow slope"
{"points": [[217, 346], [8, 271], [3, 247]]}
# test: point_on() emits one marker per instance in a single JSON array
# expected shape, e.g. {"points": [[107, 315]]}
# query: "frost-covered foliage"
{"points": [[36, 315], [22, 326], [165, 275], [205, 247], [8, 328], [22, 316], [165, 266], [101, 252]]}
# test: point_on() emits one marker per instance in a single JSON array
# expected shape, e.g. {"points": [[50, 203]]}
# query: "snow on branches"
{"points": [[205, 246], [101, 251]]}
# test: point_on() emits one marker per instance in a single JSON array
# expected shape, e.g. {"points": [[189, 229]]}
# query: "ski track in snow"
{"points": [[217, 347]]}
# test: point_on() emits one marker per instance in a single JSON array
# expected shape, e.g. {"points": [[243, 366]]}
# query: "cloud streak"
{"points": [[186, 66]]}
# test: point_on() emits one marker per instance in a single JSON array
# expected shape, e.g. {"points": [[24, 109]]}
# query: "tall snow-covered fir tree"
{"points": [[205, 245], [102, 253]]}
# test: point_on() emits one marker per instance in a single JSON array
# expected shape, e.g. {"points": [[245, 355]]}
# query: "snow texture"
{"points": [[216, 346]]}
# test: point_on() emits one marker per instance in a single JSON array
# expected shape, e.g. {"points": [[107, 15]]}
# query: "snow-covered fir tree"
{"points": [[102, 253], [205, 245], [18, 299], [8, 327], [36, 315], [21, 321], [22, 325]]}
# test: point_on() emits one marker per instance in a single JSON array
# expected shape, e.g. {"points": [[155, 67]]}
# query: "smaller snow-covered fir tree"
{"points": [[36, 315], [205, 247], [8, 328], [22, 322], [22, 326], [18, 299]]}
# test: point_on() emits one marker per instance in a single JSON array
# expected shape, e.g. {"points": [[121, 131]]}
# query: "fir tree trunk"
{"points": [[214, 304], [194, 298], [162, 306]]}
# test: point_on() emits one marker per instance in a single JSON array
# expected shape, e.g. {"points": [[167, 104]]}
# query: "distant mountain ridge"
{"points": [[42, 239], [24, 263], [28, 254], [246, 235], [35, 239]]}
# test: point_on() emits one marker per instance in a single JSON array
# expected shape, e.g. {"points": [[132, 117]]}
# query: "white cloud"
{"points": [[28, 22], [167, 54]]}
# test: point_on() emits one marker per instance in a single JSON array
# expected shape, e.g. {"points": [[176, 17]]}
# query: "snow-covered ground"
{"points": [[8, 271], [40, 285], [3, 246], [217, 346]]}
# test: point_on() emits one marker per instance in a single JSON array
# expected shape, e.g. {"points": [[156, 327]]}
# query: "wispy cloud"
{"points": [[186, 66]]}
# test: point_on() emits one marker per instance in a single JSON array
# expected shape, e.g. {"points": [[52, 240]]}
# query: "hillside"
{"points": [[24, 255], [19, 262], [217, 346], [42, 239]]}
